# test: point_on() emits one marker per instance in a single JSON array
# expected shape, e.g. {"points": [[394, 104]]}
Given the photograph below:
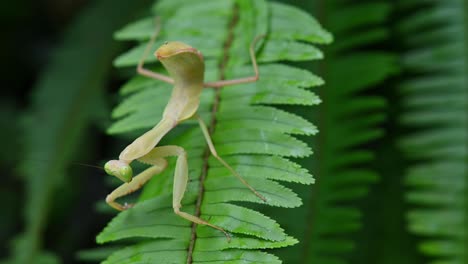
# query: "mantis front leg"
{"points": [[158, 166], [156, 157]]}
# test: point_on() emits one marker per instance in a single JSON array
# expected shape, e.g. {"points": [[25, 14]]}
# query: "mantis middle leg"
{"points": [[154, 75], [250, 79], [148, 73], [156, 157]]}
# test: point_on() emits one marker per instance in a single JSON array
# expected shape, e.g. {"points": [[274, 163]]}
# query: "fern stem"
{"points": [[211, 128]]}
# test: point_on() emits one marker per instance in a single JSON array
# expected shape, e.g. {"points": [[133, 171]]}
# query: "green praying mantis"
{"points": [[186, 68]]}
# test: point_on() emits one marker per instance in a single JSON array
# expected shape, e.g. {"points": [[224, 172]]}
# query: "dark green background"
{"points": [[32, 32]]}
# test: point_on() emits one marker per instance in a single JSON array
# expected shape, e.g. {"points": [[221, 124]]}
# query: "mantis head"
{"points": [[119, 169], [183, 62], [173, 48]]}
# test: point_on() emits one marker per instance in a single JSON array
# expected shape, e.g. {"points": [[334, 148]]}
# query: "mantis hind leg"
{"points": [[137, 182], [206, 134]]}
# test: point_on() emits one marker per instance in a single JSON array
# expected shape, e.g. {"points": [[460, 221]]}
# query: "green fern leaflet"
{"points": [[253, 136]]}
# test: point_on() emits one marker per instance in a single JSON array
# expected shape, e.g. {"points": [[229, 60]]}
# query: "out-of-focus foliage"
{"points": [[378, 121], [64, 103], [435, 99], [349, 118]]}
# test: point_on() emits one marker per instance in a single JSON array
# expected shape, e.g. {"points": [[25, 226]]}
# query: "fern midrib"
{"points": [[211, 128]]}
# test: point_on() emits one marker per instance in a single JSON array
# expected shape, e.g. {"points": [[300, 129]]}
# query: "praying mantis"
{"points": [[185, 66]]}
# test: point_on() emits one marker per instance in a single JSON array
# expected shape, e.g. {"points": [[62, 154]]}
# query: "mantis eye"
{"points": [[119, 169]]}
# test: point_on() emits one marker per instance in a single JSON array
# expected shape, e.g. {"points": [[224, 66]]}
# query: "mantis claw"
{"points": [[228, 236], [261, 197]]}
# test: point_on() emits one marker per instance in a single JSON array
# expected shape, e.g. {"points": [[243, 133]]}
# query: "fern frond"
{"points": [[59, 114], [436, 100], [350, 119], [255, 139]]}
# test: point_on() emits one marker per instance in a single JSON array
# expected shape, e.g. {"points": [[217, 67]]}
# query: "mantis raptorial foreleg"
{"points": [[157, 157], [129, 187]]}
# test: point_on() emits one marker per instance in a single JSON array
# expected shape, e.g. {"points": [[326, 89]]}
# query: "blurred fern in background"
{"points": [[435, 99], [349, 120], [66, 100], [389, 163]]}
